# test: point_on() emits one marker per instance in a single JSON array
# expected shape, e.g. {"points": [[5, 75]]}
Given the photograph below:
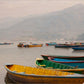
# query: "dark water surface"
{"points": [[11, 54]]}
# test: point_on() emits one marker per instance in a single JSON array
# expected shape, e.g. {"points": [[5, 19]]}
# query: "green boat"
{"points": [[41, 63]]}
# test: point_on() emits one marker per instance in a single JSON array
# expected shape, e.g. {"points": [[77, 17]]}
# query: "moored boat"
{"points": [[20, 45], [75, 63], [51, 44], [6, 43], [29, 45], [25, 74], [57, 66], [63, 57], [65, 46], [36, 45], [78, 48]]}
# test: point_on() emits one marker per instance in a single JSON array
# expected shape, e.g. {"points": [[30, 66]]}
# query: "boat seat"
{"points": [[57, 66], [42, 65], [54, 65], [66, 67], [61, 66], [48, 64]]}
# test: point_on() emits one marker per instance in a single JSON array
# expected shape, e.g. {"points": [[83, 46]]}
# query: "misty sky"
{"points": [[21, 8]]}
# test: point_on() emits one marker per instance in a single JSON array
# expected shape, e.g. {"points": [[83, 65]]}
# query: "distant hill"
{"points": [[65, 24]]}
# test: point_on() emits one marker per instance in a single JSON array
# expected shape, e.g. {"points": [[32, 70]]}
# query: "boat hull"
{"points": [[51, 44], [66, 46], [38, 45], [6, 43], [42, 79], [57, 66], [25, 74], [78, 64], [63, 57], [78, 48]]}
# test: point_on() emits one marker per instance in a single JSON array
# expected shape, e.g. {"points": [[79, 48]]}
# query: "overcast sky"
{"points": [[21, 8]]}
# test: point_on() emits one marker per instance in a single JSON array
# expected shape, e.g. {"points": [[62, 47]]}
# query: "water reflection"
{"points": [[9, 81], [78, 51], [62, 49]]}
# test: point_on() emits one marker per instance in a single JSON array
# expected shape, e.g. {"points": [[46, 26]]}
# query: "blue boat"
{"points": [[6, 43], [75, 63], [78, 48], [65, 46], [51, 44]]}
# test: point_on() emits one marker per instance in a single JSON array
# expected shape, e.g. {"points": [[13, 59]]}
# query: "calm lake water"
{"points": [[11, 54]]}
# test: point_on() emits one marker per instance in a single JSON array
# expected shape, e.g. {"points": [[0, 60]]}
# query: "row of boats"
{"points": [[75, 46], [51, 69]]}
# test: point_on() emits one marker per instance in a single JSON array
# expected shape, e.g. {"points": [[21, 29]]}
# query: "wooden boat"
{"points": [[25, 74], [36, 45], [6, 43], [78, 48], [75, 63], [27, 45], [20, 45], [65, 46], [58, 66], [51, 44], [63, 57]]}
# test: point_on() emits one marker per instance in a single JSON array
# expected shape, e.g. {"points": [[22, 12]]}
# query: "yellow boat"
{"points": [[35, 45], [31, 45], [25, 74]]}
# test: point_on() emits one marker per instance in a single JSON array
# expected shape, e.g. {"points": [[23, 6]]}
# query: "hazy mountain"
{"points": [[66, 24]]}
